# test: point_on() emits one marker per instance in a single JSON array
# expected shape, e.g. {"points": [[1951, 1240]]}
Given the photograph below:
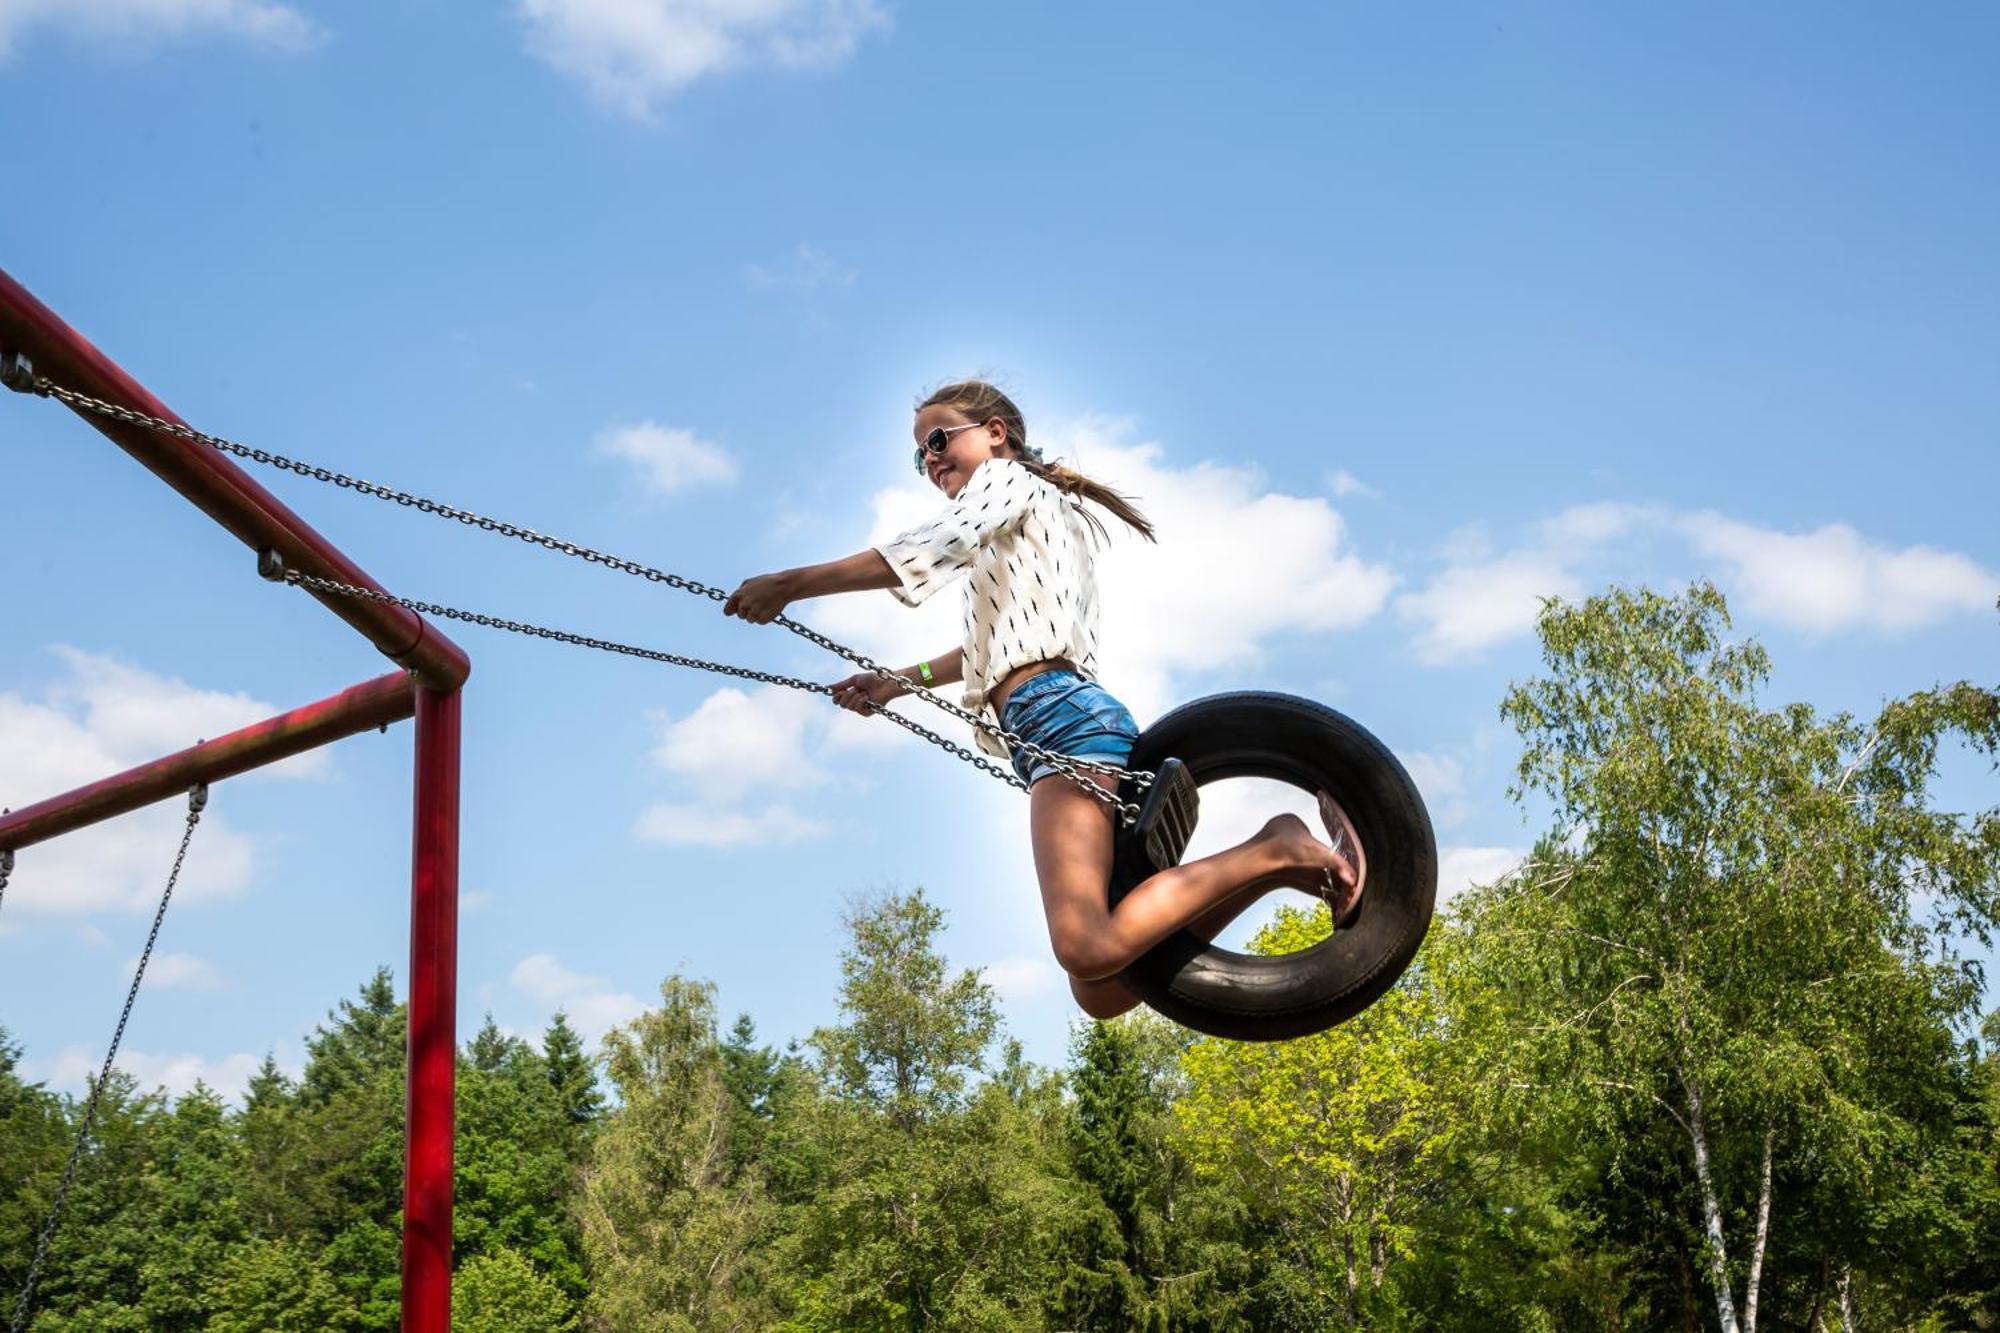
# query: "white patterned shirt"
{"points": [[1032, 592]]}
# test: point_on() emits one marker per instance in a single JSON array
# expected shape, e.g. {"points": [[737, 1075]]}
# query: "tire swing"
{"points": [[1248, 997]]}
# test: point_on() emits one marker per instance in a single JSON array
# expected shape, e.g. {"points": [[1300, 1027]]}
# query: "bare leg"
{"points": [[1073, 849], [1110, 997]]}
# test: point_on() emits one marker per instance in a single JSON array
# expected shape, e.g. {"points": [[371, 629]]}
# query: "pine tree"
{"points": [[751, 1074], [491, 1048], [572, 1073], [364, 1046]]}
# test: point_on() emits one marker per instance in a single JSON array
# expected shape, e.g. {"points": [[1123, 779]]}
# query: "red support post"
{"points": [[427, 1163]]}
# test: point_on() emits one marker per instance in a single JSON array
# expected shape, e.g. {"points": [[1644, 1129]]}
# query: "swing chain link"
{"points": [[6, 870], [1068, 766], [197, 799]]}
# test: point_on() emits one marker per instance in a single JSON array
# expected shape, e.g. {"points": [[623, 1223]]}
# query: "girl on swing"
{"points": [[1017, 526]]}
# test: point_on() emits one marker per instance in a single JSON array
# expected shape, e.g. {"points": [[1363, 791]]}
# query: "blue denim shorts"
{"points": [[1061, 711]]}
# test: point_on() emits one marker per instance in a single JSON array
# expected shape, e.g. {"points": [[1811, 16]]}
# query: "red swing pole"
{"points": [[364, 707], [427, 1163], [437, 666]]}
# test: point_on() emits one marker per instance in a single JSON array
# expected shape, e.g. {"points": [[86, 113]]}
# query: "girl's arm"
{"points": [[864, 691], [946, 669], [763, 599]]}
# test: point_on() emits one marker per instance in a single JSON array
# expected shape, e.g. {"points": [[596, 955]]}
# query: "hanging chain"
{"points": [[197, 798], [6, 871], [318, 584], [1071, 767]]}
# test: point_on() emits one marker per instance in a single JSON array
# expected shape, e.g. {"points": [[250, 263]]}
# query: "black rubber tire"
{"points": [[1288, 739]]}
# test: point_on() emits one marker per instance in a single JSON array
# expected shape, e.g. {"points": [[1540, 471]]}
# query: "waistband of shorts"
{"points": [[1045, 681]]}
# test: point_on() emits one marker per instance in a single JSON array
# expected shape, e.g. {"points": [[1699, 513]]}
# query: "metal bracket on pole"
{"points": [[270, 566], [17, 372]]}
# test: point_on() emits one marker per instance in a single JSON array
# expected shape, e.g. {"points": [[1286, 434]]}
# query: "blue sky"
{"points": [[1394, 317]]}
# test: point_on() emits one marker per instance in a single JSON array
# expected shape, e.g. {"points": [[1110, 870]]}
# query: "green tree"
{"points": [[571, 1073], [915, 1035], [671, 1241], [33, 1144], [515, 1161], [1720, 943], [277, 1286], [752, 1074], [491, 1048], [502, 1292], [1331, 1135], [1152, 1246], [190, 1212], [363, 1048], [93, 1277], [914, 1199], [345, 1131]]}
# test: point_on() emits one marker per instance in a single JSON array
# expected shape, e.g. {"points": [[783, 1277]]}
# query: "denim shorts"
{"points": [[1061, 711]]}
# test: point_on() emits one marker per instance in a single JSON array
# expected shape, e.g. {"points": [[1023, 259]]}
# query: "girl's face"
{"points": [[969, 443]]}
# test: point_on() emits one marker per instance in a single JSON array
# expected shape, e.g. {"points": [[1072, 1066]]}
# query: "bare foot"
{"points": [[1304, 862]]}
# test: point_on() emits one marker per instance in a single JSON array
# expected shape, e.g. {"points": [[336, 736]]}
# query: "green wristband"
{"points": [[924, 670]]}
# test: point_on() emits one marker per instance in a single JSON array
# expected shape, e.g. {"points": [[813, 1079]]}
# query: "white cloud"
{"points": [[1469, 608], [630, 55], [672, 825], [71, 1069], [804, 270], [734, 742], [130, 24], [1021, 977], [1344, 483], [737, 745], [1437, 776], [1595, 524], [1823, 581], [178, 971], [102, 717], [667, 458], [593, 1008], [1834, 579], [1462, 868]]}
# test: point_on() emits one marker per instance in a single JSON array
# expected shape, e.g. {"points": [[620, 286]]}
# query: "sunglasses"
{"points": [[939, 440]]}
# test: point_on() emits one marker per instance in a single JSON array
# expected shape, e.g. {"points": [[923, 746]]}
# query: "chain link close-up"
{"points": [[1072, 768]]}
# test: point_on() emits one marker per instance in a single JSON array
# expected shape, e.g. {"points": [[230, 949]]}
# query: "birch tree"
{"points": [[672, 1243], [1743, 921]]}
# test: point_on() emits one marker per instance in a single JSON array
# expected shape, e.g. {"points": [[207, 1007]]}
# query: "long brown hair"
{"points": [[980, 401]]}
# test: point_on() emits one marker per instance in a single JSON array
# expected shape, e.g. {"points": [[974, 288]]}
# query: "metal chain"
{"points": [[6, 871], [1126, 812], [197, 798], [1068, 766]]}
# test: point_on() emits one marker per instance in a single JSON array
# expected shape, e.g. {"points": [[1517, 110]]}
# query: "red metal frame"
{"points": [[428, 690], [374, 703]]}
